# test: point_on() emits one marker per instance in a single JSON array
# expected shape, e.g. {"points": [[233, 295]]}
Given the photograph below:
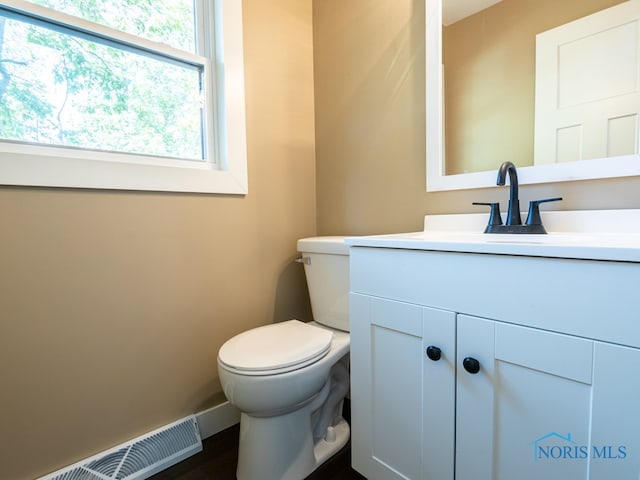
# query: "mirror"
{"points": [[487, 113]]}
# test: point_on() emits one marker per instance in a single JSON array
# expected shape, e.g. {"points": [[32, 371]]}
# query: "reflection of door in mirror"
{"points": [[489, 72], [587, 99]]}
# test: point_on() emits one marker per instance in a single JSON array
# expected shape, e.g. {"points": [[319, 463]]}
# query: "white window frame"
{"points": [[225, 169]]}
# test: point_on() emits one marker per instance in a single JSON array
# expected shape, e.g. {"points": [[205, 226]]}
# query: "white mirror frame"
{"points": [[623, 166]]}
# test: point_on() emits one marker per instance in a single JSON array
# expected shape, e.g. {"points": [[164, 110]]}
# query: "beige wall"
{"points": [[114, 304], [370, 152], [369, 90]]}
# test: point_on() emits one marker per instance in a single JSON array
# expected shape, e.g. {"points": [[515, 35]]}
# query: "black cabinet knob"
{"points": [[434, 353], [471, 365]]}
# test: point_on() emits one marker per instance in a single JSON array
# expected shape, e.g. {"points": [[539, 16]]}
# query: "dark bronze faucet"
{"points": [[513, 214], [533, 224]]}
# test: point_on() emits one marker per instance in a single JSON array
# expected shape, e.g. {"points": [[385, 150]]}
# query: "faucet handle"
{"points": [[494, 216], [533, 217]]}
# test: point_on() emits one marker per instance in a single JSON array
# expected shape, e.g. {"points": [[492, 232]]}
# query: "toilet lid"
{"points": [[282, 346]]}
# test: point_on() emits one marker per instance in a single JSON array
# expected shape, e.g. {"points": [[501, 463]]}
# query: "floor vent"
{"points": [[140, 458]]}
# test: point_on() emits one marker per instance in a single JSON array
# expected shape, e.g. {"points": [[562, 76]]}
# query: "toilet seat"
{"points": [[277, 348]]}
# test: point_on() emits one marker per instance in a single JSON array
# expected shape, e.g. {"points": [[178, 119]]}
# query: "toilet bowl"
{"points": [[289, 379]]}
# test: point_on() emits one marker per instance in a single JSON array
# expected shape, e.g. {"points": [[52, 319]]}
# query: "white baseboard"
{"points": [[216, 419]]}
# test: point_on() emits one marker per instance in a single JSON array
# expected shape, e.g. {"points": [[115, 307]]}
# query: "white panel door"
{"points": [[527, 406], [386, 388], [402, 401], [615, 430], [587, 99], [396, 390]]}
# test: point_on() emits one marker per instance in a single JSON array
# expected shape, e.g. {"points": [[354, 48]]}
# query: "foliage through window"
{"points": [[119, 76]]}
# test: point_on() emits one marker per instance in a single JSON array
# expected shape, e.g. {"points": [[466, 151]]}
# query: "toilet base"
{"points": [[282, 447], [324, 450]]}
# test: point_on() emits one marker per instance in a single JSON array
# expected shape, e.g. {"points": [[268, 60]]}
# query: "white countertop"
{"points": [[575, 235]]}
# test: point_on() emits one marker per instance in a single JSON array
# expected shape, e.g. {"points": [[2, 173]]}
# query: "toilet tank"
{"points": [[326, 266]]}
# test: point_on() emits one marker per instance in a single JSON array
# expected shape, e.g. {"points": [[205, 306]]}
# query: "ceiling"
{"points": [[454, 10]]}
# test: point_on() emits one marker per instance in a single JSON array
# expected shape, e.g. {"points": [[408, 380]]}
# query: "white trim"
{"points": [[65, 167], [206, 44], [217, 419], [434, 99], [229, 70]]}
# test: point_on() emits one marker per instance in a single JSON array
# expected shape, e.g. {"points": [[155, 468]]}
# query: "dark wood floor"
{"points": [[218, 461]]}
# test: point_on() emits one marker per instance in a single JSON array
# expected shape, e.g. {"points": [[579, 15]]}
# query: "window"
{"points": [[129, 94]]}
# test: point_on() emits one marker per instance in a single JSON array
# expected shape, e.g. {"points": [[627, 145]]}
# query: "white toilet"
{"points": [[289, 379]]}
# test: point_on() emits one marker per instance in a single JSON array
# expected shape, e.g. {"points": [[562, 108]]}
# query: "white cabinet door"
{"points": [[544, 406], [530, 400], [615, 425], [393, 383]]}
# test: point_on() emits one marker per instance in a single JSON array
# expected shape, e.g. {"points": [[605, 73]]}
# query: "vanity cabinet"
{"points": [[482, 367]]}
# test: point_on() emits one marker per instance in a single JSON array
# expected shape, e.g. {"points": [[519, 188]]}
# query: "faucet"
{"points": [[533, 225], [513, 214]]}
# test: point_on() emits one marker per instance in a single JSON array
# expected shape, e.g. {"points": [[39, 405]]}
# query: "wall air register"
{"points": [[139, 458]]}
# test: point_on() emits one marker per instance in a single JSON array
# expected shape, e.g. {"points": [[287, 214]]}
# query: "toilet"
{"points": [[289, 379]]}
